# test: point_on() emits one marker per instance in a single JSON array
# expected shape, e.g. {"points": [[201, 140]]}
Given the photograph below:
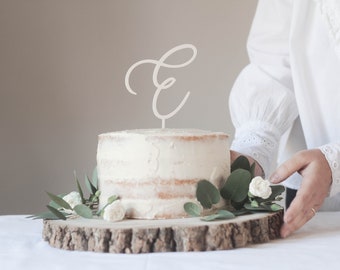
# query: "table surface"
{"points": [[315, 246]]}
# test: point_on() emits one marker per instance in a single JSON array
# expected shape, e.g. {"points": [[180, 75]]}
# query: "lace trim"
{"points": [[333, 157], [262, 145], [330, 11]]}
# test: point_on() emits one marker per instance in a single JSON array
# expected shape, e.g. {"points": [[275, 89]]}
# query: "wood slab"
{"points": [[146, 236]]}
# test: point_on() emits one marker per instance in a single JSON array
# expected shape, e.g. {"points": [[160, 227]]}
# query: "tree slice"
{"points": [[145, 236]]}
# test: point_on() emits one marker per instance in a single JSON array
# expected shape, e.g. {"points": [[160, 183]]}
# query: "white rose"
{"points": [[114, 211], [260, 187], [73, 199]]}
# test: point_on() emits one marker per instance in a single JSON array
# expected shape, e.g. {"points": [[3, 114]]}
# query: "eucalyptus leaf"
{"points": [[275, 207], [112, 198], [268, 207], [237, 185], [276, 191], [97, 194], [241, 212], [254, 204], [80, 190], [220, 214], [95, 178], [237, 205], [207, 194], [91, 188], [44, 215], [54, 204], [56, 212], [240, 163], [192, 209], [59, 201], [83, 211], [249, 207]]}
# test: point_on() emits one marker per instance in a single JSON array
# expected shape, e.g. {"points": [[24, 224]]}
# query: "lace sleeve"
{"points": [[261, 111], [332, 154]]}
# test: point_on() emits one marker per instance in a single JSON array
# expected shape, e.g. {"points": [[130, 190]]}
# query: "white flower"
{"points": [[114, 211], [73, 199], [260, 187]]}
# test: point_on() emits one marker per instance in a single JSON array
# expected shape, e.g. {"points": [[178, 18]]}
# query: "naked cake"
{"points": [[155, 171]]}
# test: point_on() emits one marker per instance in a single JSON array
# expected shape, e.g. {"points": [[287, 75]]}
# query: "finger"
{"points": [[299, 212], [303, 218], [287, 168], [299, 206]]}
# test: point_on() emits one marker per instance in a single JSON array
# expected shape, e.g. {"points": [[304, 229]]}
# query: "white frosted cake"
{"points": [[155, 171]]}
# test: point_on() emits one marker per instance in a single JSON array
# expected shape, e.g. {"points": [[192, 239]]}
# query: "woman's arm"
{"points": [[262, 102]]}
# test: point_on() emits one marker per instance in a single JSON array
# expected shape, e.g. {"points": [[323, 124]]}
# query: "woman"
{"points": [[286, 103]]}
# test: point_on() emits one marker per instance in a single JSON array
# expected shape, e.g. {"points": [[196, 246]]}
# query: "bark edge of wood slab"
{"points": [[168, 235]]}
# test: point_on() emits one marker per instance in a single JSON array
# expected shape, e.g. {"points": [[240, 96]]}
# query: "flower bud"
{"points": [[114, 211]]}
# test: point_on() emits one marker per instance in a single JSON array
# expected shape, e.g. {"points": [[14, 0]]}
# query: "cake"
{"points": [[155, 171]]}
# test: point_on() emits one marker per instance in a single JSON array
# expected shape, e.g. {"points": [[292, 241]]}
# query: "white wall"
{"points": [[62, 68]]}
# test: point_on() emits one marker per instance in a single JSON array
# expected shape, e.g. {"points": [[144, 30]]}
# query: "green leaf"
{"points": [[56, 212], [95, 178], [80, 190], [97, 194], [275, 207], [59, 201], [241, 212], [254, 204], [240, 163], [192, 209], [237, 185], [237, 205], [94, 198], [44, 215], [54, 204], [260, 208], [221, 214], [92, 189], [83, 211], [271, 207], [276, 191], [112, 198], [207, 194]]}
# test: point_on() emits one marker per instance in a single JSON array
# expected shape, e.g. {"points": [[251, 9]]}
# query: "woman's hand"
{"points": [[316, 181]]}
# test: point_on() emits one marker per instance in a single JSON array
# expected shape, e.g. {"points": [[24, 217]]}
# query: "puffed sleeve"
{"points": [[262, 102]]}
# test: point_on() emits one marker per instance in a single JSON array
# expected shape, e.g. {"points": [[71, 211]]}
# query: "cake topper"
{"points": [[167, 83]]}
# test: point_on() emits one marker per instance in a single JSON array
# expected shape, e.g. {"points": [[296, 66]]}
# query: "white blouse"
{"points": [[288, 97]]}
